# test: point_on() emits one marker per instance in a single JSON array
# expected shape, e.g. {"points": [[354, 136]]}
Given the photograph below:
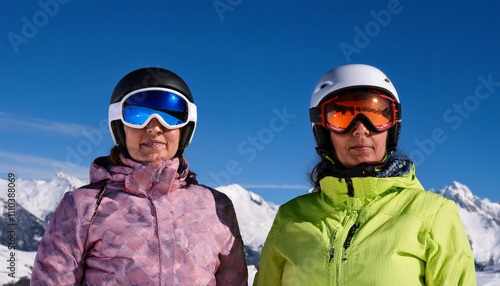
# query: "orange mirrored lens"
{"points": [[341, 110]]}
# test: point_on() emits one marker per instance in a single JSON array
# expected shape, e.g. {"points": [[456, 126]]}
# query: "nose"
{"points": [[359, 129], [154, 126]]}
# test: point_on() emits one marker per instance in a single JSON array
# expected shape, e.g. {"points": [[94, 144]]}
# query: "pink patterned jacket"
{"points": [[153, 226]]}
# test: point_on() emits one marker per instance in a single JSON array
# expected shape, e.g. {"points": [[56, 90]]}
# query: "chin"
{"points": [[361, 161]]}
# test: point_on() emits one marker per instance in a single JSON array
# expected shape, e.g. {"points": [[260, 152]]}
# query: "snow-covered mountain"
{"points": [[36, 200], [255, 217], [26, 228], [41, 197], [481, 220]]}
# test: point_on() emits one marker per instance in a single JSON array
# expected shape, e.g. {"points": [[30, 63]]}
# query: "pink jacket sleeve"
{"points": [[60, 253]]}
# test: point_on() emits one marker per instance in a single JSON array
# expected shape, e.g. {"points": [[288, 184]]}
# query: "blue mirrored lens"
{"points": [[171, 107]]}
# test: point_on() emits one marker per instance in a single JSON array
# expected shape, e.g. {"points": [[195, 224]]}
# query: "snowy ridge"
{"points": [[41, 197], [481, 220], [463, 196], [255, 216]]}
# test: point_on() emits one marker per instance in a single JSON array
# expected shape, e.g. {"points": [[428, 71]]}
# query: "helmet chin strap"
{"points": [[328, 155]]}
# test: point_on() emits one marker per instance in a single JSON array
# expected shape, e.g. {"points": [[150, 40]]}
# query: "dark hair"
{"points": [[317, 173], [320, 170], [114, 156]]}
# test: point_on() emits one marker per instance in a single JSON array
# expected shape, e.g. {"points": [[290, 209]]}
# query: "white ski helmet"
{"points": [[349, 77]]}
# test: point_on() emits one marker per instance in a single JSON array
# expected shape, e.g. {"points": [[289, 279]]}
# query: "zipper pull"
{"points": [[157, 174], [347, 242], [332, 251]]}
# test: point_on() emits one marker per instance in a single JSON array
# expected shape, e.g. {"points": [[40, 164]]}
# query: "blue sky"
{"points": [[251, 66]]}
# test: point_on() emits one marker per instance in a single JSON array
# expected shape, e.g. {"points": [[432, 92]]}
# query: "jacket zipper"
{"points": [[350, 187], [340, 258], [343, 239], [156, 179], [332, 251], [347, 242], [158, 237]]}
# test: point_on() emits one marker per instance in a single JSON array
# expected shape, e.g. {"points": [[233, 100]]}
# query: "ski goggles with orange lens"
{"points": [[375, 109], [137, 108]]}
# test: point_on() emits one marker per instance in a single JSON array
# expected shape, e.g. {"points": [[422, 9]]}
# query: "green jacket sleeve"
{"points": [[271, 262], [450, 259]]}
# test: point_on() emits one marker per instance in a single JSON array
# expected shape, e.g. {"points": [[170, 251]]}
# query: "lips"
{"points": [[361, 147], [153, 144]]}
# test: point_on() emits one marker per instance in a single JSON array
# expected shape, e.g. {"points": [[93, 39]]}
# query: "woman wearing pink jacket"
{"points": [[143, 219]]}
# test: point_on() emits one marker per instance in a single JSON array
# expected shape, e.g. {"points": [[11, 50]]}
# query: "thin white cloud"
{"points": [[33, 167], [13, 121], [270, 186]]}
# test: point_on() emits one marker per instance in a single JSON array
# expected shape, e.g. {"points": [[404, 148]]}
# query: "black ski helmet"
{"points": [[143, 78], [347, 77]]}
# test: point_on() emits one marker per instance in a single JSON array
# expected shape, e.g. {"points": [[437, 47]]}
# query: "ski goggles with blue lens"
{"points": [[172, 109], [374, 108]]}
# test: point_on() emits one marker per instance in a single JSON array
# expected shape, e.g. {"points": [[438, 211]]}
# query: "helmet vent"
{"points": [[323, 85], [387, 80]]}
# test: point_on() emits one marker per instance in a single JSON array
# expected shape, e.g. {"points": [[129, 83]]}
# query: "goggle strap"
{"points": [[316, 114], [192, 112], [398, 111], [115, 112]]}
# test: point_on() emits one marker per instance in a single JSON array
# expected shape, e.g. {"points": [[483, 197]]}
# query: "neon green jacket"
{"points": [[390, 232]]}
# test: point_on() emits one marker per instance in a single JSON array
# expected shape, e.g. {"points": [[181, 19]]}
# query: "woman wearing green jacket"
{"points": [[369, 220]]}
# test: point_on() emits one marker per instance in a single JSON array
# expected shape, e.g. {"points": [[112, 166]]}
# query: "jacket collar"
{"points": [[396, 174], [142, 179]]}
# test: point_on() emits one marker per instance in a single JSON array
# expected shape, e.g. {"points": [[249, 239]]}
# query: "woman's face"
{"points": [[152, 143], [359, 145]]}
